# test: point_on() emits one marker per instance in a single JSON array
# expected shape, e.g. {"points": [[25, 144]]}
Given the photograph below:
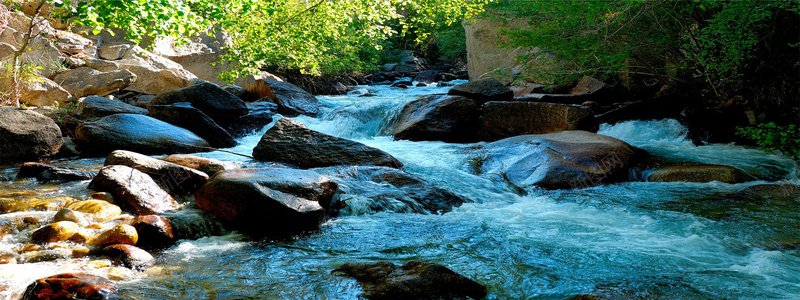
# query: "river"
{"points": [[642, 240]]}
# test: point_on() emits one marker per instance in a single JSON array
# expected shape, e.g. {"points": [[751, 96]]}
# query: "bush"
{"points": [[770, 137]]}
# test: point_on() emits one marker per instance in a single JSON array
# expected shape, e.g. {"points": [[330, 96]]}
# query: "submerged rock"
{"points": [[413, 280], [129, 256], [136, 133], [383, 187], [775, 192], [483, 90], [133, 190], [172, 177], [501, 120], [26, 135], [568, 159], [438, 118], [268, 201], [48, 172], [698, 173], [71, 286], [292, 100], [291, 142]]}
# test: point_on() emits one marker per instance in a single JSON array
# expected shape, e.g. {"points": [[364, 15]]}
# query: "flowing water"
{"points": [[630, 240]]}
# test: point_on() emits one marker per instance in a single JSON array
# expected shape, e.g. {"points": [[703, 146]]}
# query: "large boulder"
{"points": [[155, 74], [568, 159], [86, 81], [504, 119], [71, 286], [413, 280], [39, 92], [133, 190], [271, 201], [136, 133], [291, 142], [260, 115], [174, 178], [483, 90], [292, 100], [438, 118], [222, 106], [201, 55], [183, 114], [375, 189], [698, 173], [27, 135], [97, 107]]}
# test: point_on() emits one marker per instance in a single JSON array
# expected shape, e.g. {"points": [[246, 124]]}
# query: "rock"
{"points": [[273, 202], [568, 159], [776, 192], [209, 166], [155, 74], [500, 120], [120, 234], [129, 256], [428, 77], [47, 172], [55, 232], [154, 231], [84, 81], [201, 55], [242, 93], [33, 204], [136, 133], [413, 280], [183, 114], [69, 149], [292, 100], [588, 85], [71, 286], [291, 142], [66, 214], [256, 86], [133, 190], [384, 187], [194, 223], [438, 118], [260, 115], [172, 177], [100, 210], [26, 135], [483, 90], [221, 106], [698, 173], [113, 52], [97, 107], [39, 92]]}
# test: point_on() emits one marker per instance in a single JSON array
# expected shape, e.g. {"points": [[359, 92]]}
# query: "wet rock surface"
{"points": [[136, 133], [438, 118], [133, 190], [501, 120], [171, 177], [71, 286], [483, 90], [698, 173], [27, 136]]}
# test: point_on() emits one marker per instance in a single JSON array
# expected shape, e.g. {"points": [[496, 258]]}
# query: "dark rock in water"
{"points": [[698, 173], [174, 178], [27, 136], [483, 90], [48, 172], [209, 166], [133, 190], [129, 256], [438, 118], [241, 92], [291, 142], [260, 115], [98, 107], [384, 187], [154, 231], [427, 77], [413, 280], [71, 286], [183, 114], [69, 148], [775, 192], [220, 105], [269, 202], [292, 100], [712, 125], [193, 223], [568, 159], [501, 120], [137, 133]]}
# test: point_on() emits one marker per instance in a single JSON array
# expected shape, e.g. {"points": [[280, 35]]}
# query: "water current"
{"points": [[633, 240]]}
